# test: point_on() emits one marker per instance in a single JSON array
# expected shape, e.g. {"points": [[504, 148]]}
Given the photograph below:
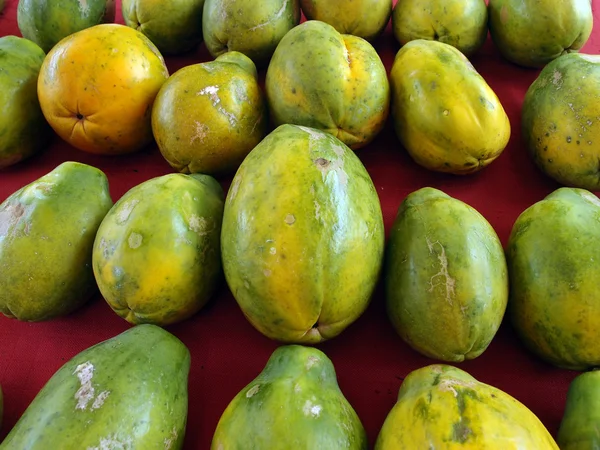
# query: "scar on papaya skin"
{"points": [[290, 219], [311, 361], [10, 216], [449, 281], [171, 440], [126, 210], [252, 391], [277, 15]]}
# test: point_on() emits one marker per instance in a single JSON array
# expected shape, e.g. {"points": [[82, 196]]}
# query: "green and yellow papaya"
{"points": [[553, 267], [294, 403], [47, 231], [303, 237], [446, 277], [443, 407], [156, 255], [128, 392]]}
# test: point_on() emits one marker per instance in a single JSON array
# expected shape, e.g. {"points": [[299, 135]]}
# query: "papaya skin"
{"points": [[47, 231], [156, 255], [47, 22], [446, 277], [531, 33], [441, 406], [363, 18], [460, 23], [23, 129], [302, 239], [174, 26], [297, 386], [444, 113], [97, 87], [207, 117], [554, 303], [322, 79], [561, 121]]}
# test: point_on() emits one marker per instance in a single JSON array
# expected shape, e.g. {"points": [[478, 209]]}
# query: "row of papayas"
{"points": [[131, 391]]}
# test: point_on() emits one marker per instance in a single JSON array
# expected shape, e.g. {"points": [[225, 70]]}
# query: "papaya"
{"points": [[444, 113], [322, 79], [560, 120], [46, 22], [23, 128], [251, 27], [97, 87], [578, 428], [363, 18], [207, 117], [531, 33], [295, 402], [130, 391], [460, 23], [553, 265], [156, 256], [303, 238], [175, 27], [2, 5], [446, 277], [47, 231], [443, 407]]}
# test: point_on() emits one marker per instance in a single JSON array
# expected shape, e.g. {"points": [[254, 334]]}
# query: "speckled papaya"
{"points": [[294, 403], [156, 255], [130, 391], [23, 128], [322, 79], [445, 114], [553, 263], [444, 407], [303, 239], [47, 231], [446, 277], [560, 120], [46, 22]]}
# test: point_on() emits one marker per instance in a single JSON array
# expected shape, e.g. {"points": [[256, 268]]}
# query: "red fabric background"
{"points": [[227, 353]]}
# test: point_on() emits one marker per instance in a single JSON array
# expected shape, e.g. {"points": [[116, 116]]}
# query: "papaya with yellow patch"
{"points": [[303, 239], [444, 407], [444, 113], [156, 255]]}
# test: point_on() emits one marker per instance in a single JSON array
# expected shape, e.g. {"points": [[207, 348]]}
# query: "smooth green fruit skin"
{"points": [[251, 27], [561, 120], [23, 128], [46, 22], [157, 255], [302, 239], [578, 429], [531, 33], [294, 403], [553, 264], [47, 230], [446, 277], [130, 391], [175, 26]]}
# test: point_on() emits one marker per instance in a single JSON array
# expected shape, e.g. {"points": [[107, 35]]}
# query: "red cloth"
{"points": [[227, 352]]}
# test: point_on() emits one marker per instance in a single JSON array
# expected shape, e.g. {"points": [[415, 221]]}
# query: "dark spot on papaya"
{"points": [[550, 160], [547, 134], [79, 116], [436, 36], [568, 139], [322, 162], [436, 380], [546, 148], [461, 432], [578, 142], [293, 90]]}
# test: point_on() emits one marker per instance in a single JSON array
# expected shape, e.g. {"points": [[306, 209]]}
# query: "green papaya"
{"points": [[23, 128], [553, 267], [47, 231], [46, 22], [294, 403], [156, 255], [128, 392], [303, 238], [446, 277], [578, 428]]}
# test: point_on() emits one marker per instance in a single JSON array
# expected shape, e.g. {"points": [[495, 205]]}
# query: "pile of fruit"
{"points": [[298, 237]]}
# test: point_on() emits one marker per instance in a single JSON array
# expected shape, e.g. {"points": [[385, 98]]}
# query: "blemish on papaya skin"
{"points": [[277, 15], [171, 440], [290, 219], [199, 225], [310, 409], [253, 391], [448, 282], [311, 361], [200, 133], [10, 216], [135, 240], [235, 187], [125, 211]]}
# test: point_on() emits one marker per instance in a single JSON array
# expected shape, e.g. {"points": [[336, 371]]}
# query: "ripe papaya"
{"points": [[47, 231], [156, 255], [303, 237], [553, 267], [294, 403], [446, 277], [130, 391], [443, 407]]}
